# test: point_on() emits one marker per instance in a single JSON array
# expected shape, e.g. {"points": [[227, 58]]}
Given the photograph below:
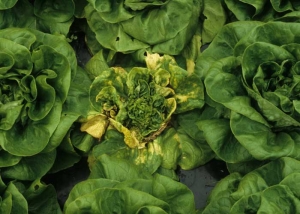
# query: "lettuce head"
{"points": [[139, 103], [251, 75], [271, 188], [127, 26], [36, 70]]}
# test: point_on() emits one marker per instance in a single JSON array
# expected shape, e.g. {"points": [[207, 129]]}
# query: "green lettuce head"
{"points": [[251, 74], [271, 188], [139, 103], [262, 10], [127, 26], [118, 186], [35, 75], [48, 16], [33, 197]]}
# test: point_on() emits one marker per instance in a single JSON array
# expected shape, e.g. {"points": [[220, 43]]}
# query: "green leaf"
{"points": [[30, 168], [113, 201], [5, 4], [11, 17], [115, 24], [15, 200], [265, 189], [223, 45], [221, 140], [59, 11], [66, 156], [18, 144], [42, 198], [7, 159], [215, 19], [115, 168], [96, 65], [133, 193], [269, 145], [87, 187]]}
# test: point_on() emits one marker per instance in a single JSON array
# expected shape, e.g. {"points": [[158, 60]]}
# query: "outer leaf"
{"points": [[47, 16], [113, 201], [218, 135], [31, 168], [258, 191], [6, 159], [88, 186], [223, 45], [73, 108], [116, 39], [113, 168], [17, 201], [119, 24], [18, 144], [42, 198], [148, 158], [5, 4], [159, 193], [54, 10], [11, 17], [215, 19]]}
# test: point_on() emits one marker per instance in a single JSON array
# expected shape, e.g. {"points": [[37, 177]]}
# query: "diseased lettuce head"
{"points": [[139, 103]]}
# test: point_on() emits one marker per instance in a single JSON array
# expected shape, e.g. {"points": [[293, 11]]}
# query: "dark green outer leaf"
{"points": [[23, 65], [60, 44], [49, 17], [73, 108], [11, 17], [187, 15], [19, 144], [245, 9], [215, 19], [115, 38], [269, 145], [219, 137], [7, 159], [14, 201], [266, 10], [119, 32], [223, 85], [30, 168], [115, 201], [223, 45], [260, 34], [266, 189], [157, 191], [54, 10], [104, 168], [42, 198], [6, 4]]}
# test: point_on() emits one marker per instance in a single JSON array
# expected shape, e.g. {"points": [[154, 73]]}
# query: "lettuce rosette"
{"points": [[147, 115], [262, 10], [33, 197], [271, 188], [116, 186], [36, 72], [49, 16], [127, 26], [251, 75]]}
